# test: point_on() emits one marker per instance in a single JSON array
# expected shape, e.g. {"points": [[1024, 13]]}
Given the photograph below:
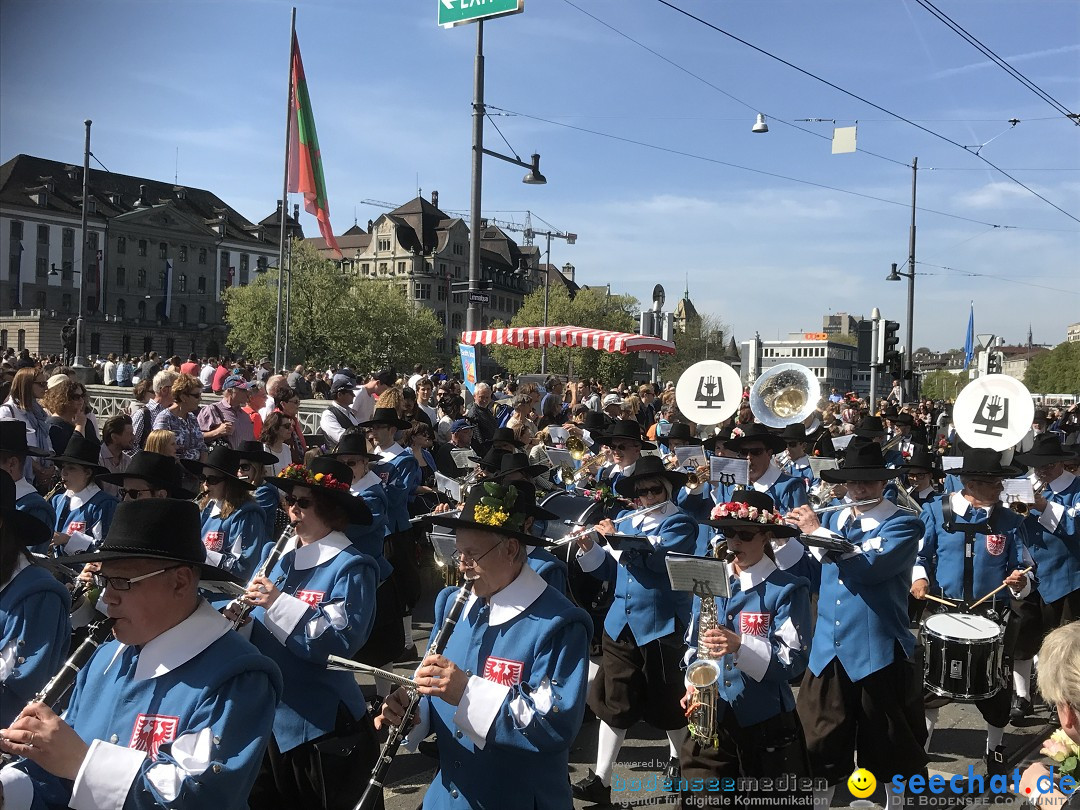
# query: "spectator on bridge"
{"points": [[143, 420], [180, 417], [256, 401], [206, 374], [225, 419], [364, 402], [108, 370], [22, 404], [338, 416], [162, 442], [65, 402], [149, 366], [274, 386], [262, 373], [424, 389], [411, 410], [191, 367], [276, 438], [480, 412], [289, 404], [297, 380], [223, 370], [125, 371], [117, 439]]}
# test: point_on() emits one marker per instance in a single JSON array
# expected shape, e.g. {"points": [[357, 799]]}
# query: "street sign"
{"points": [[459, 12], [985, 340], [479, 298]]}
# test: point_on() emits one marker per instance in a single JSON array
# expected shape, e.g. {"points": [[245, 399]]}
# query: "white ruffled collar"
{"points": [[768, 478], [514, 599], [179, 644], [82, 497], [321, 551]]}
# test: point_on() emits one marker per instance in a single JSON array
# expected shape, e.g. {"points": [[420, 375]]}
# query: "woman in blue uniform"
{"points": [[759, 642], [233, 524], [83, 510], [253, 468], [318, 600]]}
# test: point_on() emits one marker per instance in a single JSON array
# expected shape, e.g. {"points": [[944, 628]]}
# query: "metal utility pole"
{"points": [[908, 345], [284, 202], [79, 359], [571, 238], [875, 354], [475, 230]]}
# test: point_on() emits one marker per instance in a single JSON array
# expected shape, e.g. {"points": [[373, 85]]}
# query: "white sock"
{"points": [[406, 624], [1022, 678], [994, 735], [609, 742], [931, 724], [593, 669], [823, 798], [676, 737]]}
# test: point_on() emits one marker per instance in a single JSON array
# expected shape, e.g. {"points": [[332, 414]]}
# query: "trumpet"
{"points": [[671, 462], [577, 448], [587, 463]]}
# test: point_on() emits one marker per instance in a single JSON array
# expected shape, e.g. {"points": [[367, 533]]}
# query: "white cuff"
{"points": [[18, 789], [917, 573], [592, 559], [1020, 594], [283, 616], [754, 656], [333, 615], [80, 542], [214, 558], [478, 708], [1051, 516], [191, 753], [105, 776], [788, 554]]}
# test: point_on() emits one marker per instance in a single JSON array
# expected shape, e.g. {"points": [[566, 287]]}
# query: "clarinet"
{"points": [[398, 733], [244, 607], [61, 683]]}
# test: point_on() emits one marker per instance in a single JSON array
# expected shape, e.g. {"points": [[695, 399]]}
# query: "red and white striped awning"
{"points": [[535, 337]]}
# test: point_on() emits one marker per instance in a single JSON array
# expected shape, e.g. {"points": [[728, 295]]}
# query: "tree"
{"points": [[1056, 371], [592, 308], [704, 339], [332, 318], [941, 384]]}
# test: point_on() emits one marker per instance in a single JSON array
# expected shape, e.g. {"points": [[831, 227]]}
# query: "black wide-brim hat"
{"points": [[650, 467], [491, 497], [503, 434], [24, 527], [254, 451], [921, 459], [222, 460], [517, 463], [491, 460], [681, 431], [386, 417], [755, 432], [1046, 449], [354, 443], [13, 439], [795, 433], [156, 528], [160, 472], [870, 427], [538, 512], [82, 451], [326, 475], [984, 461], [903, 418], [761, 501], [863, 461], [624, 429]]}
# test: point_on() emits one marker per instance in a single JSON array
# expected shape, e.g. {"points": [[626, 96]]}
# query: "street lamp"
{"points": [[571, 238]]}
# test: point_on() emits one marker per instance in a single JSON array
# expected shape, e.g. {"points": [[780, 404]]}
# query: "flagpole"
{"points": [[284, 199]]}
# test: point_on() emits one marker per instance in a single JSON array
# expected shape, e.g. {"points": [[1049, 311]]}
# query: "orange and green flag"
{"points": [[305, 161]]}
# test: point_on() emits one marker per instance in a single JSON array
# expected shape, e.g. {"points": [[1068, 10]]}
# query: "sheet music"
{"points": [[819, 464], [450, 487], [705, 576], [558, 434], [1017, 490], [690, 457], [841, 442], [560, 458], [463, 458], [729, 470], [952, 462]]}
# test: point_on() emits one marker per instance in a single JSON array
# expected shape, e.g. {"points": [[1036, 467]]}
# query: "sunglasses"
{"points": [[132, 494], [793, 444], [657, 490], [303, 503], [620, 447], [354, 463], [213, 479], [248, 467], [744, 536], [754, 451]]}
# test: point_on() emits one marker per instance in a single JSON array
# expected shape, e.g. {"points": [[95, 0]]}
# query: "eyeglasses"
{"points": [[467, 561], [213, 479], [196, 397], [753, 451], [621, 447], [125, 583], [248, 467], [657, 490], [303, 503], [354, 463], [133, 494]]}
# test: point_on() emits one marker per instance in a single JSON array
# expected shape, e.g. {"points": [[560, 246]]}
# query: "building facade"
{"points": [[832, 363]]}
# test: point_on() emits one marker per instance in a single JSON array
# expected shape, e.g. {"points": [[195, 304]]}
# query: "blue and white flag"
{"points": [[969, 342]]}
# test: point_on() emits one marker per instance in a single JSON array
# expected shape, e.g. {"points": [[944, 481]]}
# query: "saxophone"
{"points": [[703, 675]]}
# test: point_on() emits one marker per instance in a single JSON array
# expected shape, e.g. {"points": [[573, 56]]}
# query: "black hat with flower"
{"points": [[750, 509], [492, 507], [330, 477]]}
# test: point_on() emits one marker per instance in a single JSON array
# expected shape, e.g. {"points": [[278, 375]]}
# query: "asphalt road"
{"points": [[958, 743]]}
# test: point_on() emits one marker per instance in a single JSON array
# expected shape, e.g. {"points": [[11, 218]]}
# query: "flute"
{"points": [[61, 683], [584, 530], [821, 510], [244, 607]]}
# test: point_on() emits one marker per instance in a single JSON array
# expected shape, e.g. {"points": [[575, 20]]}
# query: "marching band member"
{"points": [[233, 524], [678, 435], [760, 643], [625, 443], [318, 600], [150, 475], [639, 676], [13, 454], [972, 544], [170, 714], [923, 473], [34, 607], [861, 692], [798, 464], [83, 510], [506, 697], [254, 463], [872, 428], [514, 468]]}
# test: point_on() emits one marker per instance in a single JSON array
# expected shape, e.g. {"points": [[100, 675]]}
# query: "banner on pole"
{"points": [[468, 366]]}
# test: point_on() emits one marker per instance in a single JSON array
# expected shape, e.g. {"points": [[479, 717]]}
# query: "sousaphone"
{"points": [[785, 394]]}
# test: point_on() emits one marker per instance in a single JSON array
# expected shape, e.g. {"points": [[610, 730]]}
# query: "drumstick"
{"points": [[939, 599], [998, 588]]}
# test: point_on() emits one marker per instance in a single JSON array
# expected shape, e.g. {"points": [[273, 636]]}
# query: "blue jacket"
{"points": [[235, 543], [187, 734], [269, 500], [550, 568], [32, 503], [770, 610], [506, 745], [862, 601], [327, 607], [369, 538], [34, 635], [89, 515], [1055, 538], [801, 469], [401, 477], [644, 600]]}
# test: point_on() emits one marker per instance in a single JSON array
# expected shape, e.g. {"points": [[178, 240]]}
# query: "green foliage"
{"points": [[1056, 371], [592, 308], [332, 318], [704, 339], [942, 384]]}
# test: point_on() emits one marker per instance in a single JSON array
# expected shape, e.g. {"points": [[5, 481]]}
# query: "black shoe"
{"points": [[408, 654], [1021, 708], [429, 748], [673, 773], [995, 762], [591, 789]]}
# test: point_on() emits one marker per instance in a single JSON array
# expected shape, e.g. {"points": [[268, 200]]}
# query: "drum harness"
{"points": [[969, 530]]}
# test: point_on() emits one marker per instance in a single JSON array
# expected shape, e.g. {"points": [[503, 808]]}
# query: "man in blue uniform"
{"points": [[862, 692], [13, 454], [507, 695], [173, 712], [798, 463]]}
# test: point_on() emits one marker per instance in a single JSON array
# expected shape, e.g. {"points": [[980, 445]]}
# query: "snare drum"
{"points": [[963, 656]]}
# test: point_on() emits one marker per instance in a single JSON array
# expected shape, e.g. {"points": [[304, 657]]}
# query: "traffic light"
{"points": [[994, 362], [890, 352]]}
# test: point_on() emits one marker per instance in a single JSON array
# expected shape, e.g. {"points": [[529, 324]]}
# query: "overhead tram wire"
{"points": [[719, 89], [1025, 282], [857, 97], [719, 162], [986, 51]]}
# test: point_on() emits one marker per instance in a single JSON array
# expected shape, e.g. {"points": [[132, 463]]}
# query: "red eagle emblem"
{"points": [[995, 544], [153, 731], [313, 598], [214, 541], [76, 526], [504, 671], [754, 624]]}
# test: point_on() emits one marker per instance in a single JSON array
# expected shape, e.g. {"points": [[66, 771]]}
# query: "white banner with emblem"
{"points": [[708, 392]]}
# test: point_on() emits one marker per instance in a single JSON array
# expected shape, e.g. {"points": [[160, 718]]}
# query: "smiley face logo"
{"points": [[861, 783]]}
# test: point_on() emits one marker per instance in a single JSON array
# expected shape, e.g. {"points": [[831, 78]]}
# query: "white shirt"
{"points": [[330, 421], [206, 375], [363, 405]]}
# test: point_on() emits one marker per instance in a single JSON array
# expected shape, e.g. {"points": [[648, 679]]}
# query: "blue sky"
{"points": [[392, 91]]}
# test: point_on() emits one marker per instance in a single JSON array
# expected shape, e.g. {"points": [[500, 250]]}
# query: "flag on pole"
{"points": [[969, 342], [168, 288], [305, 161]]}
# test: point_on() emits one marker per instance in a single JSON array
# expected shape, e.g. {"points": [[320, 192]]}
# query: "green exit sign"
{"points": [[457, 12]]}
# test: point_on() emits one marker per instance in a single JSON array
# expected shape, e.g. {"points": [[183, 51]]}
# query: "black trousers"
{"points": [[387, 638], [400, 549], [639, 683]]}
